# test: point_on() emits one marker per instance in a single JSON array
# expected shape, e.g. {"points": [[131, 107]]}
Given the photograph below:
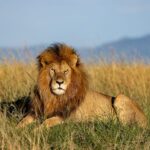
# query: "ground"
{"points": [[17, 79]]}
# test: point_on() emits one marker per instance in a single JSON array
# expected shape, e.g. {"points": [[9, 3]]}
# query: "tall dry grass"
{"points": [[17, 79], [132, 80]]}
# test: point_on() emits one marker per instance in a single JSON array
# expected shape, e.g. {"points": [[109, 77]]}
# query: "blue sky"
{"points": [[76, 22]]}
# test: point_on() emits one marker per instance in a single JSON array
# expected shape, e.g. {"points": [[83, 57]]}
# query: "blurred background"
{"points": [[96, 28]]}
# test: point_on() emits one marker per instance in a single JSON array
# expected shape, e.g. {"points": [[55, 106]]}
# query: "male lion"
{"points": [[62, 93]]}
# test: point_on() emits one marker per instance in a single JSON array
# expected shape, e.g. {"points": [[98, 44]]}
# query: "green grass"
{"points": [[89, 135], [18, 79]]}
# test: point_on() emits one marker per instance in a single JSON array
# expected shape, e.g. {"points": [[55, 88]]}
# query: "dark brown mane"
{"points": [[45, 102], [55, 53]]}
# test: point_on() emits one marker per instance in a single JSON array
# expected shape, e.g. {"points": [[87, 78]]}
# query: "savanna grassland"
{"points": [[17, 80]]}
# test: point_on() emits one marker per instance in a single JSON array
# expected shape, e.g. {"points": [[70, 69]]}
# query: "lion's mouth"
{"points": [[58, 91], [60, 88]]}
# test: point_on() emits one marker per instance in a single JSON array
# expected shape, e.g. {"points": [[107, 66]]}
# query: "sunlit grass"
{"points": [[17, 79]]}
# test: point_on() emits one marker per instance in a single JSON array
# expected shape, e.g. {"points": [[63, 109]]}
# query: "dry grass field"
{"points": [[17, 80]]}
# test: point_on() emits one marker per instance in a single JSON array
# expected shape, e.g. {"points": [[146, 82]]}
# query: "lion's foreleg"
{"points": [[26, 120], [52, 121]]}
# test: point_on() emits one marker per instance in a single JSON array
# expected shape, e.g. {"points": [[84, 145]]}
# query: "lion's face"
{"points": [[60, 74]]}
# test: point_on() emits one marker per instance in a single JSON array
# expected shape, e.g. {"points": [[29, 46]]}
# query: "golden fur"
{"points": [[62, 93]]}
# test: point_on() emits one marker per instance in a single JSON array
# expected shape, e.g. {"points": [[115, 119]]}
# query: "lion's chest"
{"points": [[52, 108], [55, 108], [48, 108]]}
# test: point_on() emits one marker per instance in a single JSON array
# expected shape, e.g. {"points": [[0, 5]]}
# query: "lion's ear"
{"points": [[42, 62], [74, 60]]}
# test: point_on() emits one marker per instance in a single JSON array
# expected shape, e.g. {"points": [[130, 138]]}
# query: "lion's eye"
{"points": [[52, 70], [46, 62], [66, 71]]}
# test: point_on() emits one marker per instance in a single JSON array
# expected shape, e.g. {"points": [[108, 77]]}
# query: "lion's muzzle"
{"points": [[58, 86]]}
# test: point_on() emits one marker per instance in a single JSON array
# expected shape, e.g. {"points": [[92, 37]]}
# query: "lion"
{"points": [[62, 93]]}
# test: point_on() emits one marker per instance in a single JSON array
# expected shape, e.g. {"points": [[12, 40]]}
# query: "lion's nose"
{"points": [[59, 82]]}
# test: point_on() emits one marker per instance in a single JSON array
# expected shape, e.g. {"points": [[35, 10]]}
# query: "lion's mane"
{"points": [[44, 102]]}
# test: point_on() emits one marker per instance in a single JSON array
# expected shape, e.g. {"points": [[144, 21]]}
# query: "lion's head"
{"points": [[62, 80]]}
